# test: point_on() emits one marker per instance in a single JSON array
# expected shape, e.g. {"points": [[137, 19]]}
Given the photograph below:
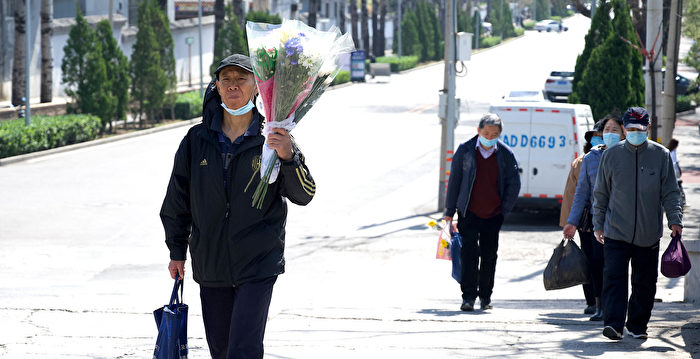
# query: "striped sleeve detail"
{"points": [[306, 184]]}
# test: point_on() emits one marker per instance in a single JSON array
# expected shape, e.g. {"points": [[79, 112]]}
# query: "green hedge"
{"points": [[489, 41], [343, 76], [529, 24], [519, 31], [398, 64], [557, 18], [683, 103], [187, 106], [46, 132]]}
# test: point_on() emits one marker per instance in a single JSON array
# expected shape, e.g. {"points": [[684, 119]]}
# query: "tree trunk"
{"points": [[238, 11], [18, 62], [2, 40], [313, 9], [365, 27], [375, 27], [341, 16], [488, 11], [382, 28], [46, 54], [353, 18], [219, 15], [580, 7]]}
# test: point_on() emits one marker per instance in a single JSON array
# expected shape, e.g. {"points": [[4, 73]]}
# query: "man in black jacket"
{"points": [[237, 250]]}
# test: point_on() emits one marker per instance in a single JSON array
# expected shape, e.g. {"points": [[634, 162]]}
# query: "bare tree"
{"points": [[18, 62], [46, 54], [365, 27], [581, 8], [353, 18]]}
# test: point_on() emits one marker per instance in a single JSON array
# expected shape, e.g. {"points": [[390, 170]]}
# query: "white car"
{"points": [[558, 85], [550, 25], [524, 96]]}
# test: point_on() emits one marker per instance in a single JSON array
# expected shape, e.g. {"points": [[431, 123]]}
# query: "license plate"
{"points": [[562, 82]]}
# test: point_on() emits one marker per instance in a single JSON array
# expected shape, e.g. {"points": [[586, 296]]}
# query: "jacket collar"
{"points": [[639, 149]]}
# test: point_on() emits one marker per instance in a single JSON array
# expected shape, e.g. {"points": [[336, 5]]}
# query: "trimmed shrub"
{"points": [[399, 64], [683, 103], [343, 76], [519, 31], [489, 41], [188, 105], [557, 18], [529, 24], [45, 133]]}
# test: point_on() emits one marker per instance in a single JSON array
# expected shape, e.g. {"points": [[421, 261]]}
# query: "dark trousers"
{"points": [[479, 248], [235, 318], [644, 260], [594, 254]]}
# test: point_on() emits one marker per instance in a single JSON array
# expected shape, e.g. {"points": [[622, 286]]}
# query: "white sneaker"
{"points": [[637, 336], [610, 333]]}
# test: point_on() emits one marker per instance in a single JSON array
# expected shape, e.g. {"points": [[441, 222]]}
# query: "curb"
{"points": [[28, 156]]}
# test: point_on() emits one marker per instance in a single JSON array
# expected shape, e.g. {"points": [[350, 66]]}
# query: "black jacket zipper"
{"points": [[636, 174]]}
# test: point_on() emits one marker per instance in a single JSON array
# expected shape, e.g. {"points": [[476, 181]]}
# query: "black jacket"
{"points": [[230, 241]]}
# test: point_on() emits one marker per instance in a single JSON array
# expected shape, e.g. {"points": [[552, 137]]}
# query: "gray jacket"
{"points": [[633, 187]]}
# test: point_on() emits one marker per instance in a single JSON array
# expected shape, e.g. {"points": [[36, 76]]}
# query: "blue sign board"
{"points": [[357, 65]]}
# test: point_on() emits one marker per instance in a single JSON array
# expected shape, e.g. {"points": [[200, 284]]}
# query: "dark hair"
{"points": [[587, 147], [607, 117], [491, 119], [673, 144]]}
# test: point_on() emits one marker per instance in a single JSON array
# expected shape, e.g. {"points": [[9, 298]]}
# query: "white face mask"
{"points": [[239, 111]]}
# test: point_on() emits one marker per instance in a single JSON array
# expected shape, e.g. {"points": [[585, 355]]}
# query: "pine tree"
{"points": [[95, 93], [148, 78], [438, 41], [117, 67], [161, 26], [410, 41], [601, 27], [426, 35], [622, 23], [230, 40], [80, 41]]}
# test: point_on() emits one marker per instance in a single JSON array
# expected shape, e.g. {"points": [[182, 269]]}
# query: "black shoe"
{"points": [[589, 309], [611, 333], [485, 304], [641, 335], [467, 306], [597, 316]]}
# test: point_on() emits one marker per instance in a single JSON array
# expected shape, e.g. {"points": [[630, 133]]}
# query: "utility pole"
{"points": [[201, 66], [668, 108], [28, 61], [653, 73], [448, 103]]}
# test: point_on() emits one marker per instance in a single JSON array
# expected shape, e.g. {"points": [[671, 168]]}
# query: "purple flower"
{"points": [[293, 47]]}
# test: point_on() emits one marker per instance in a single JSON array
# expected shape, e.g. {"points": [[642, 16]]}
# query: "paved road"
{"points": [[83, 260]]}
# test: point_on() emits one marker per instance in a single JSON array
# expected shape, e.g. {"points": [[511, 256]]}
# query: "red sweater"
{"points": [[485, 202]]}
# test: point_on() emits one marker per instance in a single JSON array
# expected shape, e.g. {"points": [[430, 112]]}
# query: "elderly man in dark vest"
{"points": [[483, 187]]}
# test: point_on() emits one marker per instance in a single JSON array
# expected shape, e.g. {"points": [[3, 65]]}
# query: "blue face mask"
{"points": [[596, 140], [487, 143], [239, 111], [611, 138], [636, 138]]}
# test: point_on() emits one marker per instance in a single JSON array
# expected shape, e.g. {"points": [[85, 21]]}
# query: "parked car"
{"points": [[684, 86], [557, 87], [550, 25], [524, 96]]}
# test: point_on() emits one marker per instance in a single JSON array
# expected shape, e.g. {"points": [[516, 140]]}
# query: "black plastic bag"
{"points": [[567, 267]]}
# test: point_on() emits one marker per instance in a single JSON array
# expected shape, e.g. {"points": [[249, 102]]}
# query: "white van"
{"points": [[545, 137]]}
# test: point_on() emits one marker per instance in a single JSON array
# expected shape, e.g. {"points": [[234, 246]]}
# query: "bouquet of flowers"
{"points": [[444, 239], [293, 65]]}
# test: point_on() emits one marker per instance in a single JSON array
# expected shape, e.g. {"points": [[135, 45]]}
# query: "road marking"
{"points": [[421, 108]]}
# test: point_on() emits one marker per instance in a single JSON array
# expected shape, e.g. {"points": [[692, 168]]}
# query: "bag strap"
{"points": [[174, 298], [676, 237]]}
